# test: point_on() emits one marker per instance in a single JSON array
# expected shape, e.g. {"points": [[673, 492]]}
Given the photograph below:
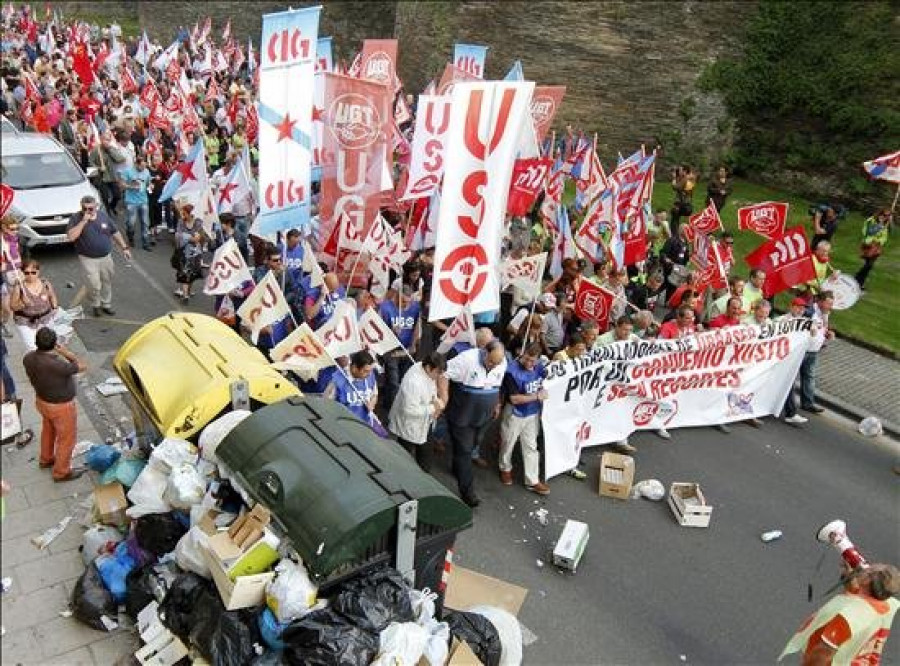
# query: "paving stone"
{"points": [[35, 520], [861, 378], [110, 650], [63, 634], [49, 571], [47, 490], [19, 551], [16, 500], [19, 646], [80, 657], [35, 607]]}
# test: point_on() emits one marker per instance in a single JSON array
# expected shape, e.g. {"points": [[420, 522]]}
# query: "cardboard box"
{"points": [[616, 475], [243, 591], [466, 589], [254, 558], [461, 655], [111, 504], [570, 547], [689, 505]]}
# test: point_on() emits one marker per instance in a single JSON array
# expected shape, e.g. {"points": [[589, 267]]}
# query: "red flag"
{"points": [[635, 239], [26, 113], [129, 85], [173, 72], [453, 75], [379, 62], [707, 260], [6, 198], [593, 302], [31, 90], [158, 117], [707, 221], [82, 65], [767, 219], [149, 95], [529, 178], [212, 91], [544, 105], [787, 261], [252, 124], [355, 143]]}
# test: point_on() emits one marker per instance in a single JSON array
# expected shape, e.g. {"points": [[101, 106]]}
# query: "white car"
{"points": [[48, 186], [6, 126]]}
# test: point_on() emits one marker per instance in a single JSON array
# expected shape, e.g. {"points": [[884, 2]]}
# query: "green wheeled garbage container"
{"points": [[346, 499]]}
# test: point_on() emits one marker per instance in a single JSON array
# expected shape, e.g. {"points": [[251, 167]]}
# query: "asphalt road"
{"points": [[647, 591]]}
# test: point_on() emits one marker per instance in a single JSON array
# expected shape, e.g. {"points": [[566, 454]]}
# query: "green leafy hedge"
{"points": [[816, 90]]}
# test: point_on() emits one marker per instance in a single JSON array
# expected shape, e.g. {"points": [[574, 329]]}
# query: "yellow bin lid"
{"points": [[180, 369]]}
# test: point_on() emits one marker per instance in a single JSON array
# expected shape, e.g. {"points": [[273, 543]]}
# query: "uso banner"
{"points": [[485, 119], [288, 51], [427, 165], [726, 375], [357, 126]]}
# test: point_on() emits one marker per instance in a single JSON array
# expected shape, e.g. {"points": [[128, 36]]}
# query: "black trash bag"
{"points": [[187, 593], [373, 600], [207, 613], [142, 587], [235, 639], [326, 638], [158, 533], [91, 600], [478, 632]]}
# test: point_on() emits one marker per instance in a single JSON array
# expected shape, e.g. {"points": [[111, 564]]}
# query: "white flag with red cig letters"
{"points": [[525, 273], [427, 163], [301, 352], [461, 330], [375, 334], [485, 120], [340, 334], [264, 306], [228, 270]]}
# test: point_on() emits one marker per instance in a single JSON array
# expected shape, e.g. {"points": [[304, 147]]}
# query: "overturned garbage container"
{"points": [[345, 498], [183, 370]]}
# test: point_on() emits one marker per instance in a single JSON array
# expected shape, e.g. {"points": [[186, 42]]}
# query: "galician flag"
{"points": [[235, 188], [189, 177]]}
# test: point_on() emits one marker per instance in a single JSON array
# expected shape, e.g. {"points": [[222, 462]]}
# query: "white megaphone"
{"points": [[835, 533]]}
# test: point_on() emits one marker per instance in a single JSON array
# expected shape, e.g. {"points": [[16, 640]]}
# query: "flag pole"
{"points": [[896, 197], [530, 316]]}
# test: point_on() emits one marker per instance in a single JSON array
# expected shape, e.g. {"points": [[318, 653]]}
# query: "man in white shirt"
{"points": [[473, 379], [820, 335]]}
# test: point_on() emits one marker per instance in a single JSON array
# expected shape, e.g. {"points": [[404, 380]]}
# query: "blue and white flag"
{"points": [[189, 177], [515, 72], [470, 58]]}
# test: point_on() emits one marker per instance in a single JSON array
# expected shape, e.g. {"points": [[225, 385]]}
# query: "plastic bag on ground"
{"points": [[217, 430], [291, 593], [188, 553], [125, 471], [172, 453], [144, 586], [235, 639], [185, 487], [141, 556], [91, 601], [375, 599], [327, 638], [271, 629], [158, 533], [509, 631], [114, 569], [98, 540], [650, 489], [187, 593], [147, 493], [870, 427], [101, 457], [478, 632], [423, 605], [437, 649], [401, 644]]}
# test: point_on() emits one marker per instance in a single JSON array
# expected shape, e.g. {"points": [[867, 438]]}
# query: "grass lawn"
{"points": [[875, 319]]}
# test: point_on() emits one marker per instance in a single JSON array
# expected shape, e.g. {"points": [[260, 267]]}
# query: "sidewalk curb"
{"points": [[855, 414]]}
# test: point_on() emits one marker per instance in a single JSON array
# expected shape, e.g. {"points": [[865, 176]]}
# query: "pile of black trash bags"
{"points": [[345, 633]]}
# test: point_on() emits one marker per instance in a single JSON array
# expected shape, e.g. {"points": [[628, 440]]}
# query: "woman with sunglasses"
{"points": [[33, 302]]}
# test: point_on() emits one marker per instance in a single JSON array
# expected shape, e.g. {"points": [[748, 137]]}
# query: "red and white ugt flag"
{"points": [[593, 302], [766, 218], [707, 221], [379, 62], [485, 120]]}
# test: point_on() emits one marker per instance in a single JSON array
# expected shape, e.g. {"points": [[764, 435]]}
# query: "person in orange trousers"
{"points": [[51, 369]]}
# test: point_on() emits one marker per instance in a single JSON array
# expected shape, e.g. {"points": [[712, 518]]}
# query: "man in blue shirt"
{"points": [[134, 182], [293, 255], [320, 302], [357, 389], [523, 387], [402, 316]]}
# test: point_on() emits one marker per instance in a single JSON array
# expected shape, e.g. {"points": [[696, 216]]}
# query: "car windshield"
{"points": [[35, 172]]}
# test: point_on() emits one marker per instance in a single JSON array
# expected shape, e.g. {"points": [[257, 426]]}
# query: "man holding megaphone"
{"points": [[853, 626]]}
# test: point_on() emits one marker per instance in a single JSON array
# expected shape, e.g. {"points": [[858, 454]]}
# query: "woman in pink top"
{"points": [[10, 265]]}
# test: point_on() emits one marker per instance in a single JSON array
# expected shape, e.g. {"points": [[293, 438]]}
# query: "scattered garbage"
{"points": [[45, 539], [328, 637], [91, 601], [871, 427], [770, 536], [125, 471], [112, 386], [650, 489], [99, 540], [291, 594], [508, 631], [541, 515], [480, 634], [5, 584], [101, 457], [159, 533], [375, 600]]}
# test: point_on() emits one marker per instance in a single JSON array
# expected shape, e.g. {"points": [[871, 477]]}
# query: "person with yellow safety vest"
{"points": [[853, 626], [874, 237], [821, 259]]}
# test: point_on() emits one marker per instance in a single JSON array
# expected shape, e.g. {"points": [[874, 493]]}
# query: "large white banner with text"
{"points": [[717, 377]]}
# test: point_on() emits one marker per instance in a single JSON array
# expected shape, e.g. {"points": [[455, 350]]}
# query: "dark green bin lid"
{"points": [[332, 484]]}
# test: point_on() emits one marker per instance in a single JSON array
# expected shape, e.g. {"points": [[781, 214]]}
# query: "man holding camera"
{"points": [[93, 232]]}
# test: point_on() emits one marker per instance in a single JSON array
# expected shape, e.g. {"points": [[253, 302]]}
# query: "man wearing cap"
{"points": [[853, 626], [92, 233], [474, 379]]}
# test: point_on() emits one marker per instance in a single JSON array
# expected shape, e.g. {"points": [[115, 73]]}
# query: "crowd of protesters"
{"points": [[424, 399]]}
